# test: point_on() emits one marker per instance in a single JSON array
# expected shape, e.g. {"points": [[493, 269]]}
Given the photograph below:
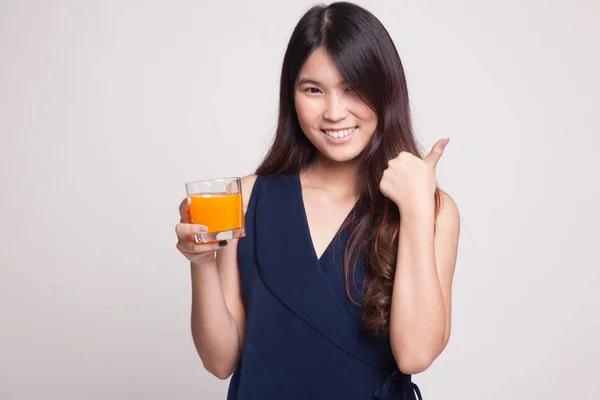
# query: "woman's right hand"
{"points": [[197, 253]]}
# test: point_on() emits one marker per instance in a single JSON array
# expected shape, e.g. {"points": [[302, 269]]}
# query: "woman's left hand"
{"points": [[410, 181]]}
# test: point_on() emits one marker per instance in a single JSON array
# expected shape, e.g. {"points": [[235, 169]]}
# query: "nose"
{"points": [[335, 108]]}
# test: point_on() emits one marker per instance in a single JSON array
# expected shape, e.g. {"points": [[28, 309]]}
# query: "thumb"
{"points": [[436, 152]]}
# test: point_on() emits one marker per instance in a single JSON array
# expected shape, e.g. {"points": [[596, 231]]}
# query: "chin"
{"points": [[340, 157]]}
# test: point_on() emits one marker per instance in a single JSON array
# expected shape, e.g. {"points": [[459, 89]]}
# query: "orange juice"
{"points": [[218, 211]]}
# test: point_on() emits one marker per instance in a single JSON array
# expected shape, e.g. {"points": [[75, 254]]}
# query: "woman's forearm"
{"points": [[214, 329], [417, 319]]}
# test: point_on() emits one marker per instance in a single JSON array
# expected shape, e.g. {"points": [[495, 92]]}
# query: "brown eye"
{"points": [[313, 90]]}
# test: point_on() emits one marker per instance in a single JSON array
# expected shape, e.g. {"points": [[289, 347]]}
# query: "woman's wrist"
{"points": [[204, 262]]}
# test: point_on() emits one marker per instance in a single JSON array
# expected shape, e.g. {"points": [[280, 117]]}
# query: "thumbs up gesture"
{"points": [[410, 181]]}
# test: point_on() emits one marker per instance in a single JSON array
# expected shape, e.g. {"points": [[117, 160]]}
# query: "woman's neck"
{"points": [[339, 179]]}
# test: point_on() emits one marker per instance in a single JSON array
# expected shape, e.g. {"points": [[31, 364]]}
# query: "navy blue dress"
{"points": [[303, 338]]}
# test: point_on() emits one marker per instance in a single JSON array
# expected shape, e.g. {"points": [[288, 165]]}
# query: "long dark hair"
{"points": [[367, 59]]}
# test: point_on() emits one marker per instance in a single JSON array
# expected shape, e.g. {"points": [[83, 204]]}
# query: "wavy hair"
{"points": [[366, 57]]}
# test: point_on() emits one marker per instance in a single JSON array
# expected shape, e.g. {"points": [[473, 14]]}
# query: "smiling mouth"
{"points": [[339, 133]]}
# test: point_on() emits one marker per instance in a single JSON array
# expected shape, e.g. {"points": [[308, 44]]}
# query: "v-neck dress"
{"points": [[304, 338]]}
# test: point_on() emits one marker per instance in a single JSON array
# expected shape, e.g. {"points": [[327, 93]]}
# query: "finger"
{"points": [[212, 246], [184, 211], [436, 152], [187, 231], [198, 248]]}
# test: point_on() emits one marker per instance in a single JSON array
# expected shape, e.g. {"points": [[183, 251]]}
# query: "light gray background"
{"points": [[108, 107]]}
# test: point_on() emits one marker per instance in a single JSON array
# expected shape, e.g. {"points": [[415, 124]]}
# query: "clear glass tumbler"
{"points": [[217, 204]]}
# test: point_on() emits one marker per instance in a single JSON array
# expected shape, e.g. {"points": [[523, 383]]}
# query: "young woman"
{"points": [[341, 288]]}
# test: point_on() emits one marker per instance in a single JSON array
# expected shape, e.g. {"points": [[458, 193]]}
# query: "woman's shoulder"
{"points": [[448, 206], [281, 181], [248, 183]]}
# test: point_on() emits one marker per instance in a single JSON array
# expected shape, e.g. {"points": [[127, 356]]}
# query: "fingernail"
{"points": [[223, 243], [202, 229], [445, 142]]}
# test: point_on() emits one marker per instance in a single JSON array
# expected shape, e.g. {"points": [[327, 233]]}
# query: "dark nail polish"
{"points": [[223, 243]]}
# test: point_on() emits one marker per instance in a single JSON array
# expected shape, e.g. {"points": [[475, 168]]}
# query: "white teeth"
{"points": [[339, 134]]}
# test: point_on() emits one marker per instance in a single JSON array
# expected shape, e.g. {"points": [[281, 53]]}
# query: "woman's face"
{"points": [[332, 116]]}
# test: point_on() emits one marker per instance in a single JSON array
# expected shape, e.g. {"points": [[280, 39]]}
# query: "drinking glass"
{"points": [[217, 204]]}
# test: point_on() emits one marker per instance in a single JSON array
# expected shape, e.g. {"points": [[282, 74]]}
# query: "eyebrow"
{"points": [[304, 81]]}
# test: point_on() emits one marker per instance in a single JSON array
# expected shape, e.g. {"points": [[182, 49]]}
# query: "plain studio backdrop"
{"points": [[108, 107]]}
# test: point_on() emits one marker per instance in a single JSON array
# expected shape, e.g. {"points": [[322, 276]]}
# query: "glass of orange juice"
{"points": [[217, 204]]}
